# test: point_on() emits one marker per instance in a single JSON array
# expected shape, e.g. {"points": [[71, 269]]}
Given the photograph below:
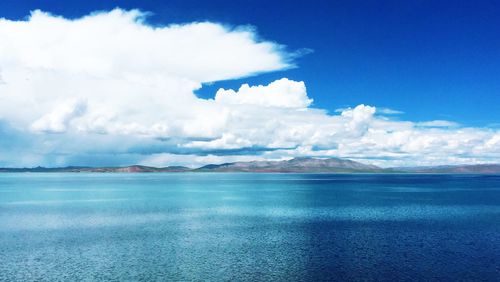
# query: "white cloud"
{"points": [[227, 141], [118, 91], [280, 93], [389, 111], [134, 77], [382, 111], [119, 44], [58, 119], [437, 123], [358, 119]]}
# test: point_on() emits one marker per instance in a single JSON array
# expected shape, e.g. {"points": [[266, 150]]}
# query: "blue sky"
{"points": [[429, 59], [193, 82]]}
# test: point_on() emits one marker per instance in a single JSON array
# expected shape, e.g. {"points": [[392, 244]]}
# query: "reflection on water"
{"points": [[277, 227]]}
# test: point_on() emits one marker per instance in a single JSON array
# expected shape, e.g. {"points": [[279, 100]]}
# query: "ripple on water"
{"points": [[248, 227]]}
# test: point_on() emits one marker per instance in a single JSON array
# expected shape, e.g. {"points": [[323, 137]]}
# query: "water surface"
{"points": [[249, 227]]}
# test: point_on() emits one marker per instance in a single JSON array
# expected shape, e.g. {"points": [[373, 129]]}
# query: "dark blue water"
{"points": [[249, 227]]}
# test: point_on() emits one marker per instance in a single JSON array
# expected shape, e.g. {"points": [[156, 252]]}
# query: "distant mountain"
{"points": [[133, 168], [297, 165], [479, 168], [304, 165]]}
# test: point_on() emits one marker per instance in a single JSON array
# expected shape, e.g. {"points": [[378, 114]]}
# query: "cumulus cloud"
{"points": [[109, 89], [359, 118], [134, 78], [58, 119], [280, 93], [119, 44]]}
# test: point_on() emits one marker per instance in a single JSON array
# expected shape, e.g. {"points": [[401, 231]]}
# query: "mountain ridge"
{"points": [[295, 165], [302, 164]]}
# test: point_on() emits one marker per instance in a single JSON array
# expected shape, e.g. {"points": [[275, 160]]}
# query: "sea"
{"points": [[249, 227]]}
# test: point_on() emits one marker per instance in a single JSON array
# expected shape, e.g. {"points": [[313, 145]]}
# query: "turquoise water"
{"points": [[249, 227]]}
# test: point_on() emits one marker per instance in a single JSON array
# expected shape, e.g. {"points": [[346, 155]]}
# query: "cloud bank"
{"points": [[110, 89]]}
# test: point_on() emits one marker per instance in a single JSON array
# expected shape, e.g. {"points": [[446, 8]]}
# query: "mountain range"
{"points": [[295, 165]]}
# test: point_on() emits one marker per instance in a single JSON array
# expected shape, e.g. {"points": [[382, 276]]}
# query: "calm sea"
{"points": [[249, 227]]}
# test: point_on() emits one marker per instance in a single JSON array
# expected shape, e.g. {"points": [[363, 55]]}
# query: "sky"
{"points": [[391, 83]]}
